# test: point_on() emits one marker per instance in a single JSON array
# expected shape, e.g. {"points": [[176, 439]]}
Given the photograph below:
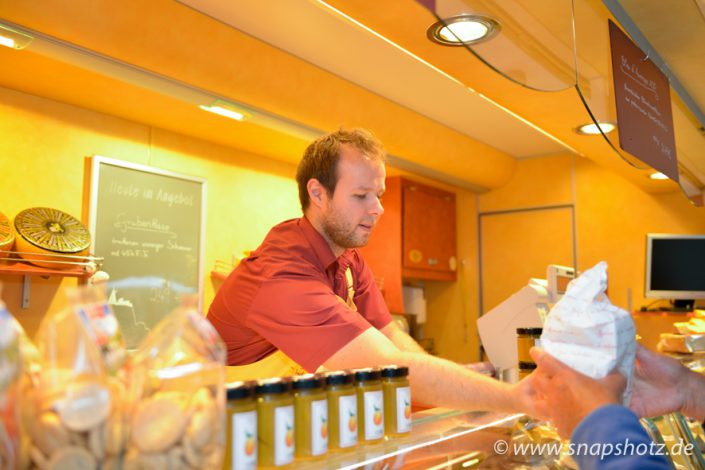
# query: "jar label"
{"points": [[244, 440], [374, 415], [283, 435], [403, 409], [319, 427], [347, 414]]}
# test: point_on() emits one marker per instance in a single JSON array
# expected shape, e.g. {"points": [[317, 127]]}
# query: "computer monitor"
{"points": [[675, 267]]}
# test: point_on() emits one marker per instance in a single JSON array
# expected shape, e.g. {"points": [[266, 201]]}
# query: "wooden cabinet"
{"points": [[428, 227], [414, 239]]}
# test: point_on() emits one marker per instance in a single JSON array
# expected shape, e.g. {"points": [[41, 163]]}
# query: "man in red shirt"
{"points": [[305, 299]]}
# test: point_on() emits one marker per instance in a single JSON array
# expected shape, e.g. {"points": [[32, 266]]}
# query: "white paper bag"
{"points": [[585, 331]]}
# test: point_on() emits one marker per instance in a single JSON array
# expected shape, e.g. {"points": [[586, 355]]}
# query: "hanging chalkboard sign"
{"points": [[149, 225]]}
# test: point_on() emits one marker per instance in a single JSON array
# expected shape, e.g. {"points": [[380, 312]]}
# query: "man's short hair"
{"points": [[320, 160]]}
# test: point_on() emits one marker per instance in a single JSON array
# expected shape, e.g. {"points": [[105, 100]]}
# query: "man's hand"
{"points": [[565, 396], [662, 385]]}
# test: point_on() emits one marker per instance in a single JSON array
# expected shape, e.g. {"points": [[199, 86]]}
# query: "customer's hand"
{"points": [[663, 385], [566, 396], [525, 396]]}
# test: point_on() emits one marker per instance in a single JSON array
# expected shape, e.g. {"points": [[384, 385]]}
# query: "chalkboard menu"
{"points": [[148, 224]]}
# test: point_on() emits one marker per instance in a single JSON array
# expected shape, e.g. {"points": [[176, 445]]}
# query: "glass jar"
{"points": [[241, 429], [275, 422], [527, 338], [370, 402], [311, 415], [525, 368], [342, 410], [397, 400]]}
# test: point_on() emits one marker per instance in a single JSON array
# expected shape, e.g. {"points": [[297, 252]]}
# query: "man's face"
{"points": [[350, 214]]}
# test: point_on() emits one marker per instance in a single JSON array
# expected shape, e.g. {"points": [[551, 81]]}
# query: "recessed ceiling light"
{"points": [[13, 39], [593, 129], [462, 30], [658, 176]]}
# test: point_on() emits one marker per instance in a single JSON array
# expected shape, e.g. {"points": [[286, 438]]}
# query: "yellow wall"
{"points": [[43, 145], [612, 217]]}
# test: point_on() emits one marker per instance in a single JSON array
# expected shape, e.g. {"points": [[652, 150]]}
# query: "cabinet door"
{"points": [[428, 233], [518, 245]]}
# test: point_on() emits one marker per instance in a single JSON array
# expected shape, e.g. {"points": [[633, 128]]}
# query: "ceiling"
{"points": [[302, 67]]}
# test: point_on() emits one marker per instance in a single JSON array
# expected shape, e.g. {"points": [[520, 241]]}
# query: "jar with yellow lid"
{"points": [[275, 422], [342, 410], [241, 429], [527, 338], [397, 400], [311, 416], [370, 403]]}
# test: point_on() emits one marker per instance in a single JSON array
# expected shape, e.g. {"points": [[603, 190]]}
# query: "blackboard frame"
{"points": [[100, 165]]}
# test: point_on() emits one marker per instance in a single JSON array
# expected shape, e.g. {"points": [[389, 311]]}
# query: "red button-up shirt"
{"points": [[285, 296]]}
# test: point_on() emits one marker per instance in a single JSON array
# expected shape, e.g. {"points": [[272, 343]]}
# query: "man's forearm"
{"points": [[440, 382]]}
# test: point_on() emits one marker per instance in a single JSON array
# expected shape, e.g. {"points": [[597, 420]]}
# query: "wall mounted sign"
{"points": [[148, 224], [643, 99]]}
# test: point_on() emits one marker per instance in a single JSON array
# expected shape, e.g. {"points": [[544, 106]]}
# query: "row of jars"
{"points": [[271, 422]]}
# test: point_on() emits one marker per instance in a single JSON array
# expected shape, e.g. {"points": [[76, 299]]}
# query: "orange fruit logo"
{"points": [[324, 428], [352, 422], [377, 416], [249, 443], [289, 438], [407, 410]]}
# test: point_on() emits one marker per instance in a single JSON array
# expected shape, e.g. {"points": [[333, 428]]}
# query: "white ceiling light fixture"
{"points": [[595, 128], [463, 30], [13, 39], [229, 110], [658, 176]]}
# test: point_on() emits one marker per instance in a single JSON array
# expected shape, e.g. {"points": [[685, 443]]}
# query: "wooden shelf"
{"points": [[20, 268], [14, 267]]}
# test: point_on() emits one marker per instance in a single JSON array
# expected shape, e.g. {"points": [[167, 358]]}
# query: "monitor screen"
{"points": [[675, 266]]}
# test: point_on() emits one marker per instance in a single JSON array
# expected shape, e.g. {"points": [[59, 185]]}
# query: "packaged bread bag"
{"points": [[74, 410], [585, 331], [10, 377], [91, 305], [177, 377]]}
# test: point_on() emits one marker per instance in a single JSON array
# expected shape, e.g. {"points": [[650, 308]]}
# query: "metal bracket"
{"points": [[26, 284]]}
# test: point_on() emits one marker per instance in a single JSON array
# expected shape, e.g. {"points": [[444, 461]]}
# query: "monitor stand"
{"points": [[683, 305]]}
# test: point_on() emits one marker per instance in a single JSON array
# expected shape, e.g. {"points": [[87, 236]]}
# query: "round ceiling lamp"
{"points": [[594, 129], [463, 30]]}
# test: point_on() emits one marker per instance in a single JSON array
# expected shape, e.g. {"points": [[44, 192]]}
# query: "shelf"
{"points": [[21, 268], [14, 267]]}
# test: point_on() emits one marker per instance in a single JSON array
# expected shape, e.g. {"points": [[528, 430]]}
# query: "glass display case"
{"points": [[451, 439], [441, 438]]}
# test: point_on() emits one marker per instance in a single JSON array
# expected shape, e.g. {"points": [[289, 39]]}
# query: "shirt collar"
{"points": [[320, 245]]}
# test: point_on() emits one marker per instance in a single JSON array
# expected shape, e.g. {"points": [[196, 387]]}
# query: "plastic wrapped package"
{"points": [[91, 305], [177, 378], [585, 331], [10, 376], [74, 412], [671, 342]]}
